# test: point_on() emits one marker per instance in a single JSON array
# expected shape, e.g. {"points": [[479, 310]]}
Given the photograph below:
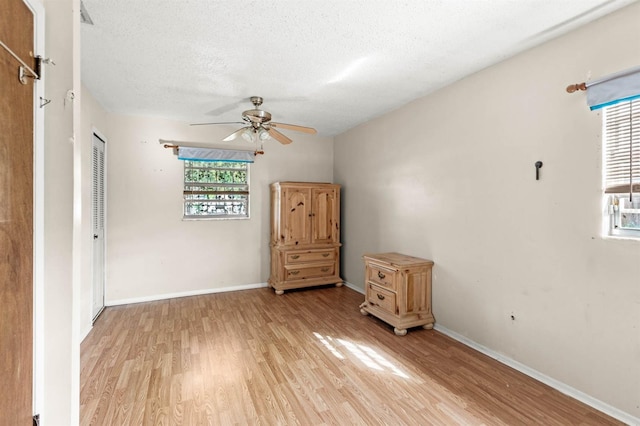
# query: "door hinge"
{"points": [[36, 420]]}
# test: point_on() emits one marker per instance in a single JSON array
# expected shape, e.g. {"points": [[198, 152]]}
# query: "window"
{"points": [[216, 189], [621, 135]]}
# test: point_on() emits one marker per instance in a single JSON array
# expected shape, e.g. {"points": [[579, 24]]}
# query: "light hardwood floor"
{"points": [[307, 357]]}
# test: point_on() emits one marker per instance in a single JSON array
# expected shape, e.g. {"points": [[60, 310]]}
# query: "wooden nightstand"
{"points": [[398, 290]]}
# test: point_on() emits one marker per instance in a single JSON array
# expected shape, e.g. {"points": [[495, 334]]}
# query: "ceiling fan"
{"points": [[260, 126]]}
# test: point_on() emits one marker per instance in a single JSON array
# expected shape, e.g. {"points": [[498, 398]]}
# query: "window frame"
{"points": [[186, 190], [616, 192]]}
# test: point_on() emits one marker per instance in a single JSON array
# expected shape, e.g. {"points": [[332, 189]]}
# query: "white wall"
{"points": [[61, 347], [151, 251], [452, 178]]}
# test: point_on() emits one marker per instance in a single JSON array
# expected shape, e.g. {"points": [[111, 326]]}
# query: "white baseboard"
{"points": [[183, 294], [353, 287], [561, 387]]}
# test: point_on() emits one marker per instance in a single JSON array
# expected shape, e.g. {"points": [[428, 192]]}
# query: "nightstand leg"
{"points": [[400, 332]]}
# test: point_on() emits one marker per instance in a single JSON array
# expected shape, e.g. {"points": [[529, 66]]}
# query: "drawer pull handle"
{"points": [[381, 297], [295, 256], [324, 269], [325, 254], [381, 275], [294, 272]]}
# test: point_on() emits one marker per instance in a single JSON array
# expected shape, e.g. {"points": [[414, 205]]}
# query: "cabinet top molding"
{"points": [[302, 183], [397, 260]]}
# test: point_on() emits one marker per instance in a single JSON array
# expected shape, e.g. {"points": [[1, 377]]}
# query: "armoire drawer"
{"points": [[299, 256], [309, 271]]}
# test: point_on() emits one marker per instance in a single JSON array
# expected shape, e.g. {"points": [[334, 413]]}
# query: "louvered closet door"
{"points": [[98, 216]]}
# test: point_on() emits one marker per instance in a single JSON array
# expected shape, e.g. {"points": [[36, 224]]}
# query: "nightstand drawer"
{"points": [[381, 297], [381, 276], [310, 256]]}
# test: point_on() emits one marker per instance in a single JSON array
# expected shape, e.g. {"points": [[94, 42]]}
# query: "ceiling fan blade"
{"points": [[224, 108], [303, 129], [279, 137], [234, 135], [225, 122]]}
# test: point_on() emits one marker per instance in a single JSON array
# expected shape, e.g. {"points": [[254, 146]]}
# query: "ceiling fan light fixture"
{"points": [[263, 134], [247, 135]]}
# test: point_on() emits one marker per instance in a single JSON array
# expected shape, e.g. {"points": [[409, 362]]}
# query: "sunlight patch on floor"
{"points": [[328, 345], [369, 357]]}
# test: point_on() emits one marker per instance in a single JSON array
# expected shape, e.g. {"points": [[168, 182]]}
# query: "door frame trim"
{"points": [[38, 212]]}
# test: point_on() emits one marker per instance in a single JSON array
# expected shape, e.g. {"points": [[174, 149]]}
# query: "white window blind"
{"points": [[622, 148]]}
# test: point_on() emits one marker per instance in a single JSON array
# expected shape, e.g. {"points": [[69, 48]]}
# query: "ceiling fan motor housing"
{"points": [[256, 117]]}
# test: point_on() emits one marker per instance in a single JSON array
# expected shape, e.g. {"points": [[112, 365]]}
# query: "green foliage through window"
{"points": [[216, 189]]}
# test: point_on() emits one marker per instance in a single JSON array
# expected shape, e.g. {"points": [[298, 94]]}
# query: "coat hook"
{"points": [[39, 61], [44, 102], [48, 61], [538, 167]]}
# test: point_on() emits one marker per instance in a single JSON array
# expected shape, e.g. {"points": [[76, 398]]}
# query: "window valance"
{"points": [[614, 88], [214, 154], [186, 151]]}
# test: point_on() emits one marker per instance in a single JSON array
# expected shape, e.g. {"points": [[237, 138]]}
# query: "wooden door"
{"points": [[16, 217], [296, 215], [325, 211]]}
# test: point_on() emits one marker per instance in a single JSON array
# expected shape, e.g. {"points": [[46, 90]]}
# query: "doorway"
{"points": [[98, 221]]}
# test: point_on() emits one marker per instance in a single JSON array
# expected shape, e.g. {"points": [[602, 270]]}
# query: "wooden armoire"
{"points": [[305, 235]]}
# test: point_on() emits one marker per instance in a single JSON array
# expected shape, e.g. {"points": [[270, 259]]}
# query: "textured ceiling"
{"points": [[325, 64]]}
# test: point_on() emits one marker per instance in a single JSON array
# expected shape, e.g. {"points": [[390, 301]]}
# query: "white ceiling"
{"points": [[329, 64]]}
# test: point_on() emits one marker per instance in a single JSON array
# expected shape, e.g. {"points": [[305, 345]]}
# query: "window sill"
{"points": [[623, 237], [205, 218]]}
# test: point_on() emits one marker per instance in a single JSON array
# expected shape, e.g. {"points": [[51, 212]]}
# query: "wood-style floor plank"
{"points": [[307, 357]]}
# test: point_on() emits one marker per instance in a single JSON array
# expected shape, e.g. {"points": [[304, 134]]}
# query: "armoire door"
{"points": [[16, 216], [296, 216], [325, 215]]}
